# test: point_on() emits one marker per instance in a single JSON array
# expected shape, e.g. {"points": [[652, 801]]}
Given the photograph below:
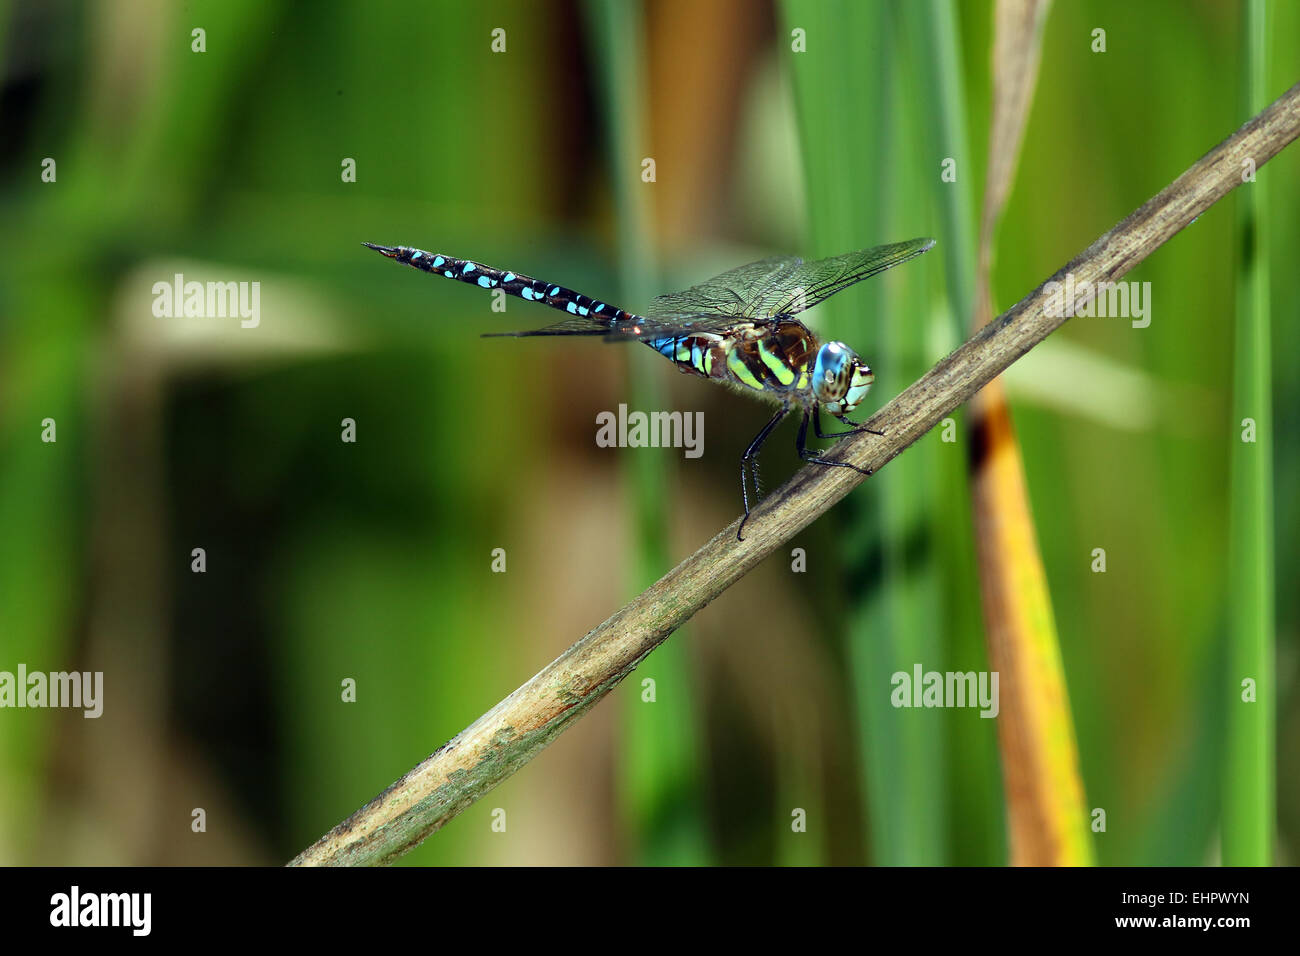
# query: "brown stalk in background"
{"points": [[1040, 764]]}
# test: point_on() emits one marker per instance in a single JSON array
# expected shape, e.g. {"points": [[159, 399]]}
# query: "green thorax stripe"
{"points": [[761, 364]]}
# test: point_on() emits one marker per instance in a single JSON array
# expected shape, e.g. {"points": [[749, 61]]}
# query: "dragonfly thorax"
{"points": [[840, 379]]}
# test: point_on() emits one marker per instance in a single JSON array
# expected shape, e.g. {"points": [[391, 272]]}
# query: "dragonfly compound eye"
{"points": [[833, 372]]}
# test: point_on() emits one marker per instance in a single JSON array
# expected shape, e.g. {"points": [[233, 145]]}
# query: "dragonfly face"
{"points": [[840, 379], [737, 328]]}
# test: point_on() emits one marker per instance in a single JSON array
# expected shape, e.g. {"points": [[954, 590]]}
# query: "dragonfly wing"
{"points": [[575, 326], [642, 328], [759, 292], [808, 283], [728, 294]]}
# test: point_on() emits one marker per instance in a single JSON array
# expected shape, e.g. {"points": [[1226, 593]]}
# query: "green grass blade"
{"points": [[976, 821], [1248, 781], [942, 81], [862, 190]]}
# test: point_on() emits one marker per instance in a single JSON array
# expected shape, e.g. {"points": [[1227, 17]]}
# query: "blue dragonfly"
{"points": [[738, 329]]}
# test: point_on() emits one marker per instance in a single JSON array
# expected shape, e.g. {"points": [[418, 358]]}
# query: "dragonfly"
{"points": [[738, 329]]}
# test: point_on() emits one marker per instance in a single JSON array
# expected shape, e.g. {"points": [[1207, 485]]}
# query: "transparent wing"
{"points": [[729, 294], [807, 283], [758, 293], [575, 326], [635, 327]]}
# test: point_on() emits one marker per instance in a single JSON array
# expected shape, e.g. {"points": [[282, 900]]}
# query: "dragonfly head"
{"points": [[840, 379]]}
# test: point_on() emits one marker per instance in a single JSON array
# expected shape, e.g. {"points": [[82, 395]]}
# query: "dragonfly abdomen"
{"points": [[512, 283], [700, 354]]}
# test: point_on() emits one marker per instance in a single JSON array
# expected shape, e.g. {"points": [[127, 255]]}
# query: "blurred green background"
{"points": [[372, 560]]}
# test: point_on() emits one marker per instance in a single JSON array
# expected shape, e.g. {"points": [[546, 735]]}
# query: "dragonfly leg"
{"points": [[810, 454], [857, 426], [749, 461]]}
